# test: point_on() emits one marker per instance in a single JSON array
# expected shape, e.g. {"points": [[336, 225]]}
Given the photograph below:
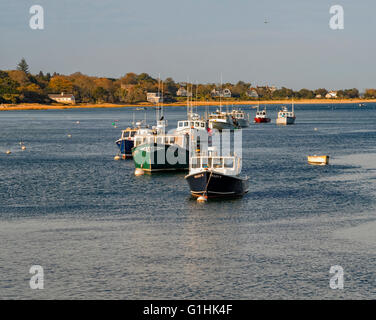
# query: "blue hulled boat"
{"points": [[126, 141]]}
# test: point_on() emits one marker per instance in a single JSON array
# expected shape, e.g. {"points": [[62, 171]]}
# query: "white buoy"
{"points": [[138, 172], [8, 152], [202, 199], [69, 136], [78, 122], [117, 157], [315, 129], [23, 148]]}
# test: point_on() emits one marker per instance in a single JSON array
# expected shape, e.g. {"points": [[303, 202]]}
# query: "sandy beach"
{"points": [[36, 106]]}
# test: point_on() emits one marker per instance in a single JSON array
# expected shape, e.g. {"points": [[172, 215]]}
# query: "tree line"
{"points": [[20, 86]]}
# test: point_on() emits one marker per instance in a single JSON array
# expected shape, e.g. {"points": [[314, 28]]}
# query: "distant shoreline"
{"points": [[35, 106]]}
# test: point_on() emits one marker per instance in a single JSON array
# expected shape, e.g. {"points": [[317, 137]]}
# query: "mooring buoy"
{"points": [[117, 157], [202, 199], [138, 172]]}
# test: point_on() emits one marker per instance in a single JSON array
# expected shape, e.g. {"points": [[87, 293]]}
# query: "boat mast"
{"points": [[220, 97], [293, 106], [157, 115]]}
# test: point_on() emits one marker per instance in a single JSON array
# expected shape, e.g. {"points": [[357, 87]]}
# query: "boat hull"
{"points": [[151, 157], [219, 125], [262, 120], [216, 185], [125, 147], [285, 120], [243, 123]]}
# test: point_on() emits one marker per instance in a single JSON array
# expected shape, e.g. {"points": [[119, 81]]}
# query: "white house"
{"points": [[225, 93], [67, 98], [182, 92], [154, 97], [331, 95], [252, 93]]}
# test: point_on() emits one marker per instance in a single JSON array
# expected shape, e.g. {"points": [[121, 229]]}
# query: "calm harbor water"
{"points": [[100, 232]]}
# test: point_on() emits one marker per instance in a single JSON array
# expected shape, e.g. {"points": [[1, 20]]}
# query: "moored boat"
{"points": [[221, 120], [213, 176], [285, 116], [261, 116], [318, 160], [126, 141], [161, 152], [240, 118]]}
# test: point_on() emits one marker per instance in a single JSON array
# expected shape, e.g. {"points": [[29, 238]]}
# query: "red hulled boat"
{"points": [[261, 116]]}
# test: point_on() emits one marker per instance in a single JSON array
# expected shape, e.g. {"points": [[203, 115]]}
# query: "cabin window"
{"points": [[166, 140], [195, 163], [229, 163], [192, 124], [186, 124], [202, 125], [159, 140], [217, 162], [172, 140], [180, 124], [197, 124], [204, 162], [133, 133]]}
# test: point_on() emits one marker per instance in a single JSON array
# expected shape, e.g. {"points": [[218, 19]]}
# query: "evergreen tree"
{"points": [[23, 66]]}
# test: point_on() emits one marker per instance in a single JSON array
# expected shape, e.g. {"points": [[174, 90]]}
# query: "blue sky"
{"points": [[197, 39]]}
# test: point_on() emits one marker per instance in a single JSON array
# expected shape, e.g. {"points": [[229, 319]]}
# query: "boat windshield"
{"points": [[212, 162]]}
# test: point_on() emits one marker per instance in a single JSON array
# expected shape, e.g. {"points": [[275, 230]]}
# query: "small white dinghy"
{"points": [[318, 160]]}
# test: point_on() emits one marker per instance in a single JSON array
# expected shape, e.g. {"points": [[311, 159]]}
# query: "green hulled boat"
{"points": [[161, 152]]}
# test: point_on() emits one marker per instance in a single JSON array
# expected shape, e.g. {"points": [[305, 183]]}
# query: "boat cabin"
{"points": [[187, 125], [284, 113], [239, 114], [180, 140], [261, 114], [218, 115], [228, 165], [128, 134]]}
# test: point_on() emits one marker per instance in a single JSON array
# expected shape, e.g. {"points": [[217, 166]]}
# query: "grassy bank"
{"points": [[35, 106]]}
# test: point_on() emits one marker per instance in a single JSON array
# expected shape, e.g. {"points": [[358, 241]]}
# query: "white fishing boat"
{"points": [[240, 117], [221, 120], [193, 121], [285, 116]]}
